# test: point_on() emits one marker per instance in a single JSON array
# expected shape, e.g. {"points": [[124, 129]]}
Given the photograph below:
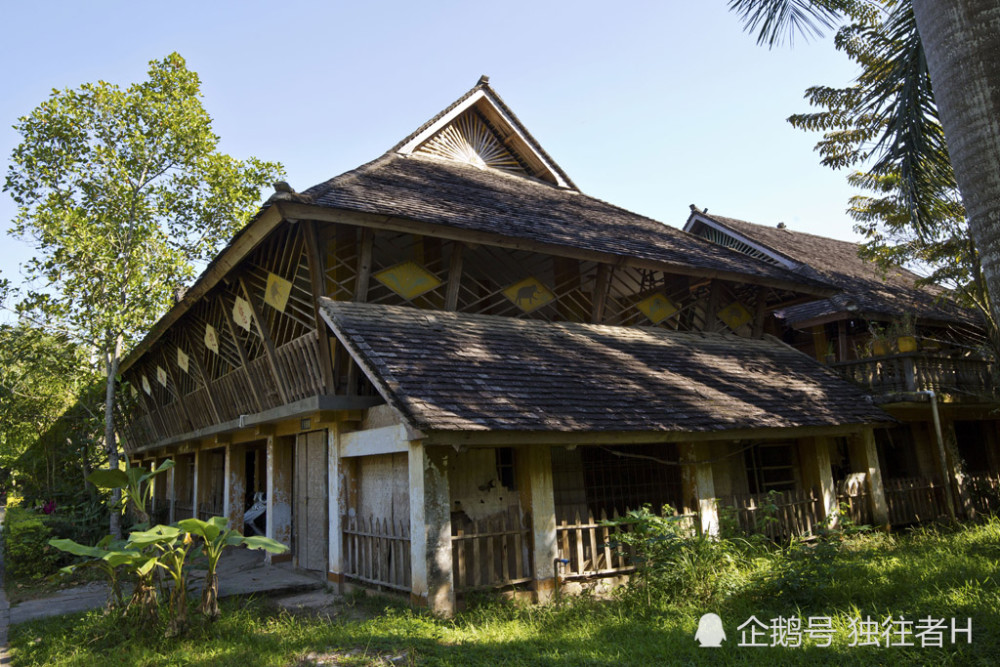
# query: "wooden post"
{"points": [[280, 467], [535, 462], [864, 458], [454, 276], [602, 281], [817, 473], [712, 321], [955, 472], [430, 529], [236, 485], [699, 485], [336, 490], [759, 313]]}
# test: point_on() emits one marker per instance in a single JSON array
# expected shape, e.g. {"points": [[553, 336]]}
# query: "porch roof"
{"points": [[446, 371]]}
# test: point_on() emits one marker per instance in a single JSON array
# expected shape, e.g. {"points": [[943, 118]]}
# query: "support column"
{"points": [[171, 491], [699, 485], [430, 530], [535, 473], [864, 458], [817, 473], [336, 489], [236, 485], [279, 494], [955, 472], [197, 473]]}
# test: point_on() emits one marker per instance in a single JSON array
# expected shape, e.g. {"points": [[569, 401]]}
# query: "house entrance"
{"points": [[310, 507]]}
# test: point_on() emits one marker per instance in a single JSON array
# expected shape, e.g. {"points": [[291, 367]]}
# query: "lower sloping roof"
{"points": [[446, 371]]}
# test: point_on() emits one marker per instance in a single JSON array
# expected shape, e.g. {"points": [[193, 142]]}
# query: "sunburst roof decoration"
{"points": [[480, 130]]}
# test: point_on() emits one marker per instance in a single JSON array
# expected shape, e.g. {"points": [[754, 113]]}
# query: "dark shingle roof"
{"points": [[454, 372], [893, 294], [488, 200]]}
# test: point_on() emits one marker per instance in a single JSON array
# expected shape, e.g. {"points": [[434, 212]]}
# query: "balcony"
{"points": [[921, 371]]}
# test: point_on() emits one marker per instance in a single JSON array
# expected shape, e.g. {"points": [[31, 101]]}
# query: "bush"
{"points": [[27, 554]]}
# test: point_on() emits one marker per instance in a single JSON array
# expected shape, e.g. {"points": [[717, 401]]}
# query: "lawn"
{"points": [[854, 585]]}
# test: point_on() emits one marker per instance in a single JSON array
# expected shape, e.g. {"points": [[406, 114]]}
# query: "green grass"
{"points": [[939, 573]]}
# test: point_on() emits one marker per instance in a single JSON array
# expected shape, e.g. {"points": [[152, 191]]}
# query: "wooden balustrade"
{"points": [[914, 499], [910, 372], [856, 505], [984, 492], [781, 515], [298, 360], [491, 552], [377, 551]]}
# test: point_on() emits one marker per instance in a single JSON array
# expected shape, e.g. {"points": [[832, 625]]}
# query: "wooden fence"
{"points": [[856, 504], [491, 552], [983, 492], [914, 499], [780, 515], [920, 372], [377, 551]]}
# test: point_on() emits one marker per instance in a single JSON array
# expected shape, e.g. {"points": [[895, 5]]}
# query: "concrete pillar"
{"points": [[535, 471], [430, 529], [236, 486], [280, 466], [817, 473], [864, 458], [171, 492], [336, 489], [698, 485], [196, 477]]}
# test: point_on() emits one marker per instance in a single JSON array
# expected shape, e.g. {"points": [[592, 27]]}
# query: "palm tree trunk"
{"points": [[961, 39]]}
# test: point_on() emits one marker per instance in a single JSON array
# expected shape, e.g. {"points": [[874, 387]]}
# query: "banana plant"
{"points": [[134, 483], [172, 545], [215, 538], [108, 555]]}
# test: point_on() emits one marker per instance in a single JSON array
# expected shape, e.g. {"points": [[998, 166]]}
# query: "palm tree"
{"points": [[954, 46]]}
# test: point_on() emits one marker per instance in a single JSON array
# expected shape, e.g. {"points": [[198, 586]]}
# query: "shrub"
{"points": [[27, 554]]}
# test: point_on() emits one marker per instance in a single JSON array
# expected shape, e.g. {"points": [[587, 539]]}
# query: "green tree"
{"points": [[952, 45], [121, 190]]}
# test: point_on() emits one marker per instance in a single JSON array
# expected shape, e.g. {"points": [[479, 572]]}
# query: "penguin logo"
{"points": [[710, 632]]}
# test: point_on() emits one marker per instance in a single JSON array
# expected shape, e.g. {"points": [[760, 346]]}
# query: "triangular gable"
{"points": [[480, 130], [712, 230]]}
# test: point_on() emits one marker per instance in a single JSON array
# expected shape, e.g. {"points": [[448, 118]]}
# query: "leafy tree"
{"points": [[121, 190], [952, 45]]}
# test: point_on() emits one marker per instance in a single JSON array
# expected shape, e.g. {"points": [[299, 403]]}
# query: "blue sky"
{"points": [[649, 105]]}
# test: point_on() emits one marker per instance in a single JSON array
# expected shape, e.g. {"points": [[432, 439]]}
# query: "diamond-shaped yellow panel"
{"points": [[409, 280], [657, 307], [277, 291], [735, 315], [529, 294]]}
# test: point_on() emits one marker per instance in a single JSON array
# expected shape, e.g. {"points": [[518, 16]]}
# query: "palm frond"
{"points": [[775, 21]]}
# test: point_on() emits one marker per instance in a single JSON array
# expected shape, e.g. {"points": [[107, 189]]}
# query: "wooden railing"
{"points": [[910, 372], [914, 499], [780, 515], [298, 361], [856, 504], [983, 492], [377, 551], [491, 552]]}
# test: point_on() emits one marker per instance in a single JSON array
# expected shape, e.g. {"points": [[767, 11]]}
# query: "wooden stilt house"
{"points": [[443, 368]]}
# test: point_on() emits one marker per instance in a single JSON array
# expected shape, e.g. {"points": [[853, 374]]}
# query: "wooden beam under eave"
{"points": [[317, 277], [228, 319], [602, 282], [177, 388], [759, 313], [265, 334], [472, 237], [206, 381], [364, 266], [712, 322]]}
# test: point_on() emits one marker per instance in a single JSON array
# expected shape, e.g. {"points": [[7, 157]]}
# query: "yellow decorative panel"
{"points": [[161, 376], [145, 386], [277, 291], [657, 307], [409, 280], [182, 360], [529, 294], [211, 338], [242, 314], [735, 315]]}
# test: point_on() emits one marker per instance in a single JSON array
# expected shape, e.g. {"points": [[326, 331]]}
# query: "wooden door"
{"points": [[311, 504]]}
